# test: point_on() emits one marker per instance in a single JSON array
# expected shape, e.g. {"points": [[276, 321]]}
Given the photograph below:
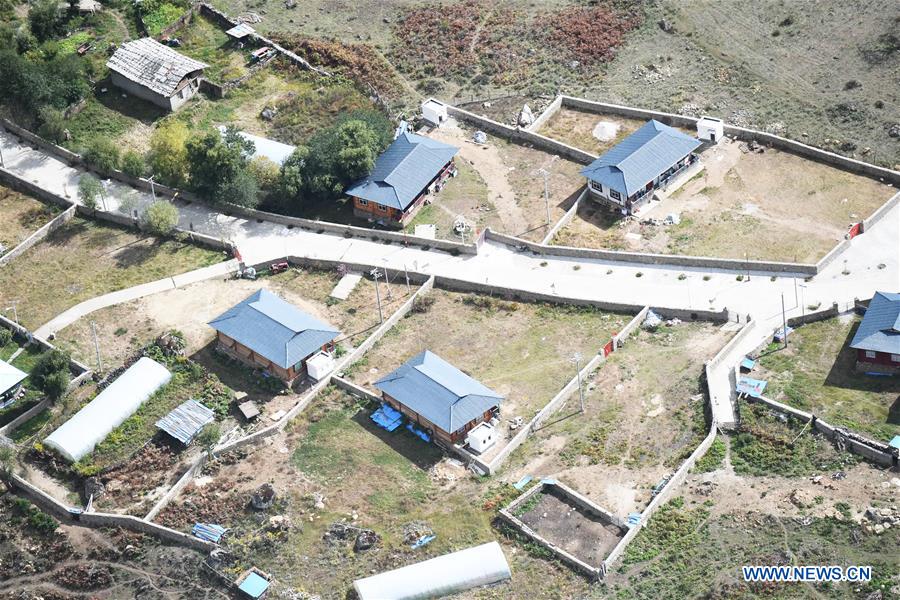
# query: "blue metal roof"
{"points": [[403, 170], [275, 329], [879, 330], [641, 157], [186, 421], [254, 585], [208, 532], [438, 391]]}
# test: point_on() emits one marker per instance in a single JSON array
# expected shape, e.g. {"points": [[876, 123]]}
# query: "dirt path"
{"points": [[486, 160]]}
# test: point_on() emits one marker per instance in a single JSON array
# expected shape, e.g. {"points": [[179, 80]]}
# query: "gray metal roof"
{"points": [[275, 329], [641, 157], [186, 421], [241, 30], [10, 376], [153, 65], [403, 170], [879, 330], [438, 391], [277, 152]]}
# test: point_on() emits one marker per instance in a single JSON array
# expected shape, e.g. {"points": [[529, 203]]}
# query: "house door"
{"points": [[712, 137]]}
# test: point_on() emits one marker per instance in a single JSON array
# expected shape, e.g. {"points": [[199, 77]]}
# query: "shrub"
{"points": [[5, 336], [103, 154], [133, 164], [52, 124], [46, 19], [89, 190], [160, 218], [51, 373], [265, 172], [167, 157]]}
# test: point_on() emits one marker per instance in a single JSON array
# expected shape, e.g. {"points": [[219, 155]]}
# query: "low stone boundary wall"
{"points": [[173, 492], [545, 116], [97, 520], [880, 213], [583, 504], [812, 317], [565, 219], [357, 391], [644, 258], [10, 427], [57, 222], [78, 370]]}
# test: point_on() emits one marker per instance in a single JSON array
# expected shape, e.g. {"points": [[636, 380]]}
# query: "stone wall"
{"points": [[566, 218], [881, 212], [79, 371], [812, 317], [10, 427], [545, 116]]}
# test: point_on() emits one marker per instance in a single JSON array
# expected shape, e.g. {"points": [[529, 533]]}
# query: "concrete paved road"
{"points": [[872, 263]]}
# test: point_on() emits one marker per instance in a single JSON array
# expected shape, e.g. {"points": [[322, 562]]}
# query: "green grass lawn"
{"points": [[85, 259], [816, 373], [205, 41], [164, 15]]}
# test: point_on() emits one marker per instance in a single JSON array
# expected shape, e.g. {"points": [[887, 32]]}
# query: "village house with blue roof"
{"points": [[626, 176], [438, 398], [877, 340], [412, 167], [264, 331]]}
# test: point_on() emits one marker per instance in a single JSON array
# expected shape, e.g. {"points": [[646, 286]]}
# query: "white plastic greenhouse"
{"points": [[78, 436], [441, 576]]}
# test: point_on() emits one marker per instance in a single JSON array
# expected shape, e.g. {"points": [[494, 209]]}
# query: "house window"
{"points": [[870, 354], [382, 207], [615, 195], [596, 185], [362, 202], [895, 358]]}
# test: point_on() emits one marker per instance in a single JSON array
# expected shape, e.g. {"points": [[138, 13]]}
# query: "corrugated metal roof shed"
{"points": [[153, 65], [879, 330], [438, 391], [403, 170], [641, 157], [186, 421], [275, 329], [209, 532], [10, 376], [240, 31]]}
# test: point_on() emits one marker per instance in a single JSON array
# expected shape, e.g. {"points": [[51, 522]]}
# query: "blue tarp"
{"points": [[422, 541], [895, 443], [520, 485], [751, 387], [633, 519], [254, 585], [418, 432], [387, 418], [780, 335], [209, 532], [748, 363]]}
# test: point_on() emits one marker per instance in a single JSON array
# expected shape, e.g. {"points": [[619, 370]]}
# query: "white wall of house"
{"points": [[169, 103], [710, 129]]}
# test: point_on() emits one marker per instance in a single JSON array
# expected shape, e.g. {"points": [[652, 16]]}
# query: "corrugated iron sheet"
{"points": [[186, 421]]}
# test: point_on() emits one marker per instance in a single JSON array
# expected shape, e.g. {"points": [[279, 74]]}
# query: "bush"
{"points": [[133, 164], [161, 217], [46, 19], [265, 172], [89, 191], [52, 124], [168, 157], [51, 373], [5, 336], [103, 154]]}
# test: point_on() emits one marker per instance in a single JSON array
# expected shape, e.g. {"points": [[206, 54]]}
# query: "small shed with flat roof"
{"points": [[186, 421]]}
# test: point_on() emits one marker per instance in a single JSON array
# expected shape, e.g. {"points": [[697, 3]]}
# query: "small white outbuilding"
{"points": [[482, 437], [77, 437], [710, 129], [438, 577], [434, 112]]}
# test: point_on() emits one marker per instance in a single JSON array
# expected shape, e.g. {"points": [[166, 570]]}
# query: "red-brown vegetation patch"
{"points": [[592, 34], [148, 469]]}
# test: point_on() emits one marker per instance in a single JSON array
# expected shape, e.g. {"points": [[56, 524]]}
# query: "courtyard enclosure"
{"points": [[78, 436], [448, 574]]}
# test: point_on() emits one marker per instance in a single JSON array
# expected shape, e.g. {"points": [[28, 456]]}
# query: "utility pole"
{"points": [[748, 266], [152, 187], [802, 300], [387, 279], [784, 321], [97, 347], [576, 358], [546, 175], [405, 272], [376, 274], [103, 185]]}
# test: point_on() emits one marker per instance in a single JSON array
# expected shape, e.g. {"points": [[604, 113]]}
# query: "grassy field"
{"points": [[85, 259], [205, 41], [644, 413], [816, 373], [473, 333], [20, 216]]}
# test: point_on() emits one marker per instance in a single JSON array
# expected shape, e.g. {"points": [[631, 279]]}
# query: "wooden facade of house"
{"points": [[870, 361], [369, 209], [257, 361], [438, 434]]}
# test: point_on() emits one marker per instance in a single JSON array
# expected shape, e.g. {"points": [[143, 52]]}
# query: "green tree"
{"points": [[133, 164], [241, 190], [51, 373], [161, 217], [52, 124], [168, 153], [218, 168], [89, 191], [265, 172], [209, 437], [7, 462], [46, 19], [292, 177], [103, 154]]}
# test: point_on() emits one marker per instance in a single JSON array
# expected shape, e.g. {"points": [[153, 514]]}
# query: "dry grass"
{"points": [[84, 259], [576, 128], [20, 216]]}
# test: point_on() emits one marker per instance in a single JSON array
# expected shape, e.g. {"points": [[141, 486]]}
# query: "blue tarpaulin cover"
{"points": [[895, 443], [751, 387], [387, 418], [254, 585], [519, 485], [209, 532], [748, 363], [422, 541], [418, 432]]}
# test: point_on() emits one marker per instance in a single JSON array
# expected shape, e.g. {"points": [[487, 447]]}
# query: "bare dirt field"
{"points": [[587, 131], [515, 185], [768, 205], [559, 521], [475, 333], [20, 216], [644, 413]]}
